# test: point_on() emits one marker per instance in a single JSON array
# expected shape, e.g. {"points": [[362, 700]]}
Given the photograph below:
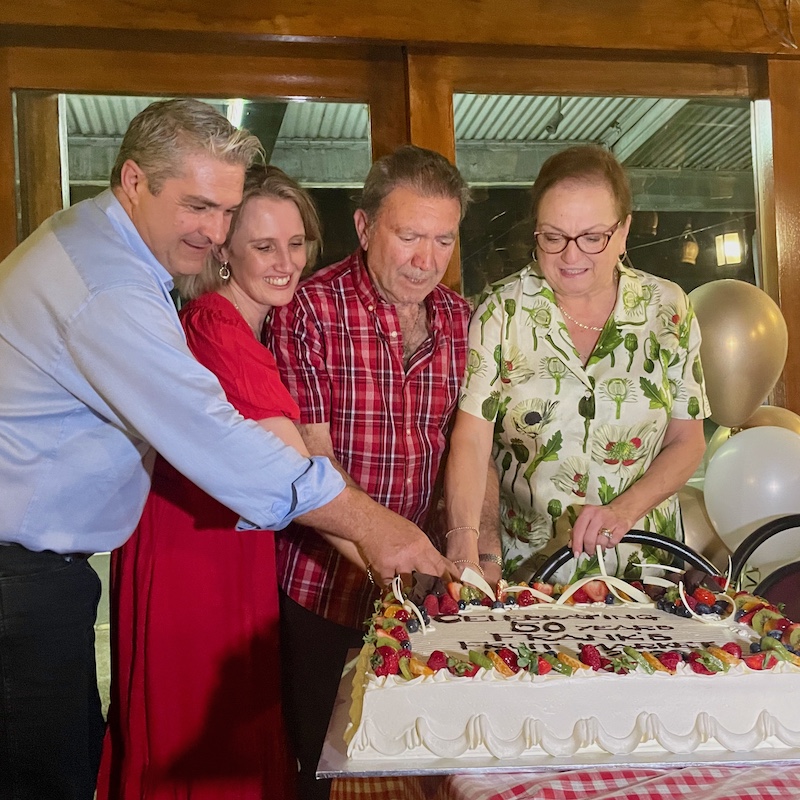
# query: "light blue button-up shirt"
{"points": [[95, 376]]}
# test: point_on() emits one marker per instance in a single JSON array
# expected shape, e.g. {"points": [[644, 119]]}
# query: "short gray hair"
{"points": [[426, 172], [164, 133], [260, 181]]}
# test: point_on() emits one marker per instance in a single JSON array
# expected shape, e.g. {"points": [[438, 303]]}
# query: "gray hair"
{"points": [[426, 172], [260, 181], [164, 133]]}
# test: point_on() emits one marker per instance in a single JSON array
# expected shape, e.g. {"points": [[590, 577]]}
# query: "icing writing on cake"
{"points": [[567, 628]]}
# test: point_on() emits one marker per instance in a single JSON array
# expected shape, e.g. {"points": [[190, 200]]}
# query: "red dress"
{"points": [[196, 705]]}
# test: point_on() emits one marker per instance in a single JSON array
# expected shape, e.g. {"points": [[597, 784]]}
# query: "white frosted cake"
{"points": [[504, 713]]}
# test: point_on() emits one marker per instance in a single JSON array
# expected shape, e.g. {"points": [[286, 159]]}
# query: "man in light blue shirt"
{"points": [[95, 376]]}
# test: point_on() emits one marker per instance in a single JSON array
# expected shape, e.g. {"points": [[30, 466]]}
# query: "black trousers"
{"points": [[313, 652], [51, 725]]}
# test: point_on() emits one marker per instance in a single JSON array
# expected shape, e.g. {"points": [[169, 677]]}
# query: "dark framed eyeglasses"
{"points": [[552, 243]]}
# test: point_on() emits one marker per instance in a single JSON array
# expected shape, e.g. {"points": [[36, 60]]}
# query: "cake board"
{"points": [[335, 763]]}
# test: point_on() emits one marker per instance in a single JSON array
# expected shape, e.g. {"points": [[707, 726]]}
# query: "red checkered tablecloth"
{"points": [[706, 783]]}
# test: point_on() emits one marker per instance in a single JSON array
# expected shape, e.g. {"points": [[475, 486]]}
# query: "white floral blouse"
{"points": [[566, 434]]}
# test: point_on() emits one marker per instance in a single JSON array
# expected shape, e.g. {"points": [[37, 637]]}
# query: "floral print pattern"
{"points": [[568, 434]]}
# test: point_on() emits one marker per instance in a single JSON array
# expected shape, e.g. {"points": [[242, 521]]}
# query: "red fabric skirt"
{"points": [[195, 700]]}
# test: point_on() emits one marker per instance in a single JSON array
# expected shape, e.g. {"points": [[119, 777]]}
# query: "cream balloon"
{"points": [[754, 478], [744, 347]]}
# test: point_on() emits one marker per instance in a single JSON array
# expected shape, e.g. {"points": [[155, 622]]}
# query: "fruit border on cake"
{"points": [[710, 598]]}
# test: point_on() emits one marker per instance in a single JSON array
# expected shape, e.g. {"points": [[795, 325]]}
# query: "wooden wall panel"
{"points": [[388, 110], [430, 114], [784, 91], [195, 74], [39, 158], [8, 202], [597, 76], [724, 26]]}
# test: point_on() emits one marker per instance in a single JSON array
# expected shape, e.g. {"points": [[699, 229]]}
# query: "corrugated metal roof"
{"points": [[695, 134], [331, 121], [700, 136], [647, 133], [109, 116], [495, 117]]}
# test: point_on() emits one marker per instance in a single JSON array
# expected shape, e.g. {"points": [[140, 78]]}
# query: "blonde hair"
{"points": [[260, 181], [163, 134]]}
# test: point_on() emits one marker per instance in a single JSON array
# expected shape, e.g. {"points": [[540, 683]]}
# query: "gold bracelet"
{"points": [[370, 576], [467, 561], [462, 528], [491, 558]]}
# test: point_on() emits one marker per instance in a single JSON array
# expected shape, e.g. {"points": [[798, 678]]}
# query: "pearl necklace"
{"points": [[579, 324]]}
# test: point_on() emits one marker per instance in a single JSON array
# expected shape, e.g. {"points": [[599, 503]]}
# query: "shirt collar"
{"points": [[363, 282], [123, 225]]}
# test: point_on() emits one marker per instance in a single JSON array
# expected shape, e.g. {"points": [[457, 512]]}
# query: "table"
{"points": [[613, 783]]}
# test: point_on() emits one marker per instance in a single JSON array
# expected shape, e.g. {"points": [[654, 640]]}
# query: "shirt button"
{"points": [[393, 334], [408, 431], [408, 480], [370, 308]]}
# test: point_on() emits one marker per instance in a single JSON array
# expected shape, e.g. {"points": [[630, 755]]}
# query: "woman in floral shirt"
{"points": [[584, 377]]}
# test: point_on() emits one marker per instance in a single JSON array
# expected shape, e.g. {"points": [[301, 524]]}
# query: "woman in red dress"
{"points": [[195, 711]]}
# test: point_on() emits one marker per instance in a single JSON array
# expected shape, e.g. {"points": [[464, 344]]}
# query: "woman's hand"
{"points": [[462, 549], [602, 525]]}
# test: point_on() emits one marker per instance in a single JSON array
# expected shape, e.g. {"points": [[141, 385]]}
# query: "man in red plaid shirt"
{"points": [[373, 349]]}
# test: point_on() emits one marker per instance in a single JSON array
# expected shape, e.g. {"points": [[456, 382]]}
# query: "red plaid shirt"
{"points": [[339, 350]]}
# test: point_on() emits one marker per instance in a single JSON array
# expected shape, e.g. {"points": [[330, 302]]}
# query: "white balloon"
{"points": [[753, 478]]}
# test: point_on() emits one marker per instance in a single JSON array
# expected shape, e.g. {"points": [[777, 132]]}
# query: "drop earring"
{"points": [[224, 271]]}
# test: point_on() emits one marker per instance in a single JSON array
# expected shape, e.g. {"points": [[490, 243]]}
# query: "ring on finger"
{"points": [[606, 532]]}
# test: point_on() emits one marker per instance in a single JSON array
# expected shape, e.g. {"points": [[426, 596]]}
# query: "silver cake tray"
{"points": [[334, 762]]}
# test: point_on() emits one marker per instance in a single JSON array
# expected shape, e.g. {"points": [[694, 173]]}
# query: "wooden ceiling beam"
{"points": [[718, 26]]}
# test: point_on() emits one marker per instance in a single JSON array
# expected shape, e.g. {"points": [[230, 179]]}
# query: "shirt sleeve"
{"points": [[244, 367], [478, 391], [132, 354], [298, 343], [686, 374]]}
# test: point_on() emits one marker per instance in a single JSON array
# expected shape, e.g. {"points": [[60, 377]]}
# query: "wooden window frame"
{"points": [[375, 76]]}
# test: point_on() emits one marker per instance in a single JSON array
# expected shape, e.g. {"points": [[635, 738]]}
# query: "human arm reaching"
{"points": [[472, 495], [385, 541]]}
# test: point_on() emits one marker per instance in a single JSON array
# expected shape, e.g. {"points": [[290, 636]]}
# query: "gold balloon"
{"points": [[718, 438], [773, 416], [698, 530], [744, 347]]}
